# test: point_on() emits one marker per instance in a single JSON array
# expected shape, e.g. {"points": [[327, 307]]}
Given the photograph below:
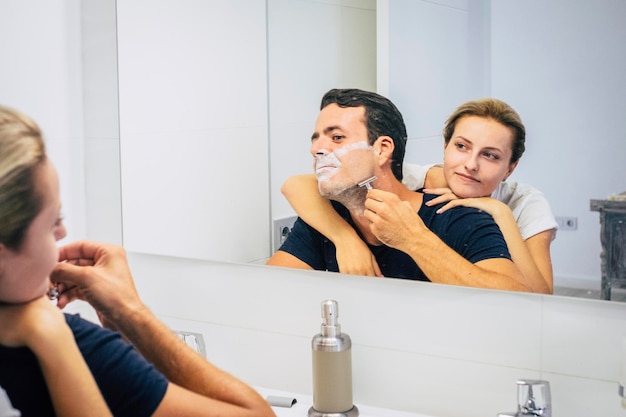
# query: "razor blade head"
{"points": [[366, 183]]}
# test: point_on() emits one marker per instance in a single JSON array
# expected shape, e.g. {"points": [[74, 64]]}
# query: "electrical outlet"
{"points": [[567, 223], [282, 227], [193, 340]]}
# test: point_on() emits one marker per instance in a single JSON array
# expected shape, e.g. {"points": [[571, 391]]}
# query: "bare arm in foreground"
{"points": [[41, 326], [99, 274]]}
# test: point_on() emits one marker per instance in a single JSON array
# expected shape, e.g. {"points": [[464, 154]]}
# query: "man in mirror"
{"points": [[361, 135]]}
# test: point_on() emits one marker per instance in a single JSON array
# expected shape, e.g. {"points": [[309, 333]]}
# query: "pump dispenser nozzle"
{"points": [[332, 368], [330, 313]]}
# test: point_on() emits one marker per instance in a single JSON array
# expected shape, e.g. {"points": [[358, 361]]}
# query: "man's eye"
{"points": [[338, 137]]}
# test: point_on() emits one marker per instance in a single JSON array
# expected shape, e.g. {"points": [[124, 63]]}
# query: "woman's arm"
{"points": [[353, 255], [532, 256], [42, 328]]}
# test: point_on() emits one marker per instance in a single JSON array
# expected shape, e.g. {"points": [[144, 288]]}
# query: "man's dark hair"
{"points": [[382, 118]]}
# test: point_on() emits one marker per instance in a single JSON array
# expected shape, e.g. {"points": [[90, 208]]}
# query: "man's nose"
{"points": [[318, 148]]}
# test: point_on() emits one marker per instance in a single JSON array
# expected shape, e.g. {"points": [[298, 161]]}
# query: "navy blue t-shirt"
{"points": [[130, 385], [470, 232]]}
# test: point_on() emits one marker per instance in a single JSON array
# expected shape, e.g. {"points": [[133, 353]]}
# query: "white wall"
{"points": [[435, 57], [202, 85], [555, 62], [193, 128], [421, 347], [561, 64], [313, 46], [103, 191], [41, 75]]}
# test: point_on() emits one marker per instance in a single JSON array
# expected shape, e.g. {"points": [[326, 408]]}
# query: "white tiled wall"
{"points": [[193, 128], [421, 347], [41, 75]]}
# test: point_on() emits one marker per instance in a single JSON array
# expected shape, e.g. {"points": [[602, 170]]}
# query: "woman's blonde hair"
{"points": [[22, 150]]}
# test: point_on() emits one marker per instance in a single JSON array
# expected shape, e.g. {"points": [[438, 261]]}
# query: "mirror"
{"points": [[553, 62], [199, 100]]}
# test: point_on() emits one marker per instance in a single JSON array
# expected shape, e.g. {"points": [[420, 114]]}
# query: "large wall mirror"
{"points": [[217, 101]]}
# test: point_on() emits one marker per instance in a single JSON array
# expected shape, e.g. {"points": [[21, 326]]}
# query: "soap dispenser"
{"points": [[332, 368]]}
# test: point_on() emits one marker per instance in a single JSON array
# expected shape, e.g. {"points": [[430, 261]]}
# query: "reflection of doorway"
{"points": [[103, 205]]}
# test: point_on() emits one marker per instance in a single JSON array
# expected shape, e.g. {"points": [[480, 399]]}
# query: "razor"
{"points": [[366, 183]]}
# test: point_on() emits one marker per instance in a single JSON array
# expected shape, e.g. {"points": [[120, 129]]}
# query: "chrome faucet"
{"points": [[533, 399]]}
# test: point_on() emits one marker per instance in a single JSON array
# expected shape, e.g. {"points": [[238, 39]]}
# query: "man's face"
{"points": [[341, 151]]}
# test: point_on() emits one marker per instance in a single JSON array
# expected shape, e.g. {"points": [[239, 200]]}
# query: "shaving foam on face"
{"points": [[326, 166], [332, 160], [352, 147]]}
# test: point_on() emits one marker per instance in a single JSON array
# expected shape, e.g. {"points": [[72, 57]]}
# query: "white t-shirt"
{"points": [[6, 409], [529, 206]]}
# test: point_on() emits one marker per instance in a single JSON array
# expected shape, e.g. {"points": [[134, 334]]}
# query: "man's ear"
{"points": [[384, 148]]}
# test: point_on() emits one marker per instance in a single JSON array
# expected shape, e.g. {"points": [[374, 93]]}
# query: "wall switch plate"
{"points": [[282, 227], [567, 223], [193, 340]]}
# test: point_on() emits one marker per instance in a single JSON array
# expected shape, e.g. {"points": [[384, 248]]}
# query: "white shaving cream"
{"points": [[328, 164]]}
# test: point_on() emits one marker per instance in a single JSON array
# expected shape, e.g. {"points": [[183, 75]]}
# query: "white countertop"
{"points": [[304, 402]]}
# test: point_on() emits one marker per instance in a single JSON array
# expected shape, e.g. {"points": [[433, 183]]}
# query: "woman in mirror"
{"points": [[483, 142]]}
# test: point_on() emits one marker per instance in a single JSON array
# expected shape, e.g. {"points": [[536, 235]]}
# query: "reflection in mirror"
{"points": [[560, 77], [194, 126], [103, 206], [544, 70]]}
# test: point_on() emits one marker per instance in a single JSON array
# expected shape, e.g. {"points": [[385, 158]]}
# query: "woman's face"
{"points": [[477, 157], [24, 274]]}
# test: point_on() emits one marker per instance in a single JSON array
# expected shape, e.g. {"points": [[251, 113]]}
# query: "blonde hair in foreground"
{"points": [[22, 150]]}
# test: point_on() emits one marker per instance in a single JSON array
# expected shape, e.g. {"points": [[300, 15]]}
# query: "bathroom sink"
{"points": [[304, 402]]}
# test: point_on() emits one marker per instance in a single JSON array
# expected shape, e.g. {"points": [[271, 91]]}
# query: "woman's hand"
{"points": [[444, 195], [487, 204], [354, 257]]}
